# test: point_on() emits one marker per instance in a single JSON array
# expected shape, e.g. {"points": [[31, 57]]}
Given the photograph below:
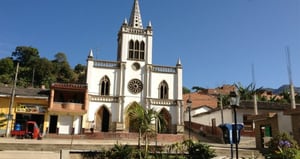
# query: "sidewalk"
{"points": [[246, 146], [29, 155]]}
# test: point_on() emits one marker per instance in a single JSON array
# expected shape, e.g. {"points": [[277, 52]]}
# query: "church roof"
{"points": [[135, 20]]}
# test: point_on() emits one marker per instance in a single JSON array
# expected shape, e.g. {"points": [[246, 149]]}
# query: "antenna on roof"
{"points": [[96, 52], [292, 91]]}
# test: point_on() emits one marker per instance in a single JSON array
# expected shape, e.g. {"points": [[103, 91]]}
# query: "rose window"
{"points": [[135, 86]]}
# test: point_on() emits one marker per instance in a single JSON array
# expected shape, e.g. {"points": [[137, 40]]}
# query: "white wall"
{"points": [[285, 123]]}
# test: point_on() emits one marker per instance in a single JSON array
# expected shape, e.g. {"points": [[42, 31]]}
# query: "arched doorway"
{"points": [[131, 125], [168, 119], [103, 119]]}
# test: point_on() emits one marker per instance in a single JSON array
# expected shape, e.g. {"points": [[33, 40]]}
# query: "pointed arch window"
{"points": [[104, 86], [136, 50], [131, 49], [163, 90], [142, 50]]}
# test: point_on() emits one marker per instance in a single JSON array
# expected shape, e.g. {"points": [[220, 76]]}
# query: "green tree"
{"points": [[44, 73], [198, 150], [285, 96], [185, 90], [80, 73], [26, 55], [199, 89], [247, 93], [6, 70], [62, 69], [121, 152], [143, 120]]}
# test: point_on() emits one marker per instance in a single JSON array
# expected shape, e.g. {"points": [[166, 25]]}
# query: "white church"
{"points": [[114, 86]]}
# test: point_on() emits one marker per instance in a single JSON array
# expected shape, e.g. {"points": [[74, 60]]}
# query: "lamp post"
{"points": [[234, 103], [189, 105]]}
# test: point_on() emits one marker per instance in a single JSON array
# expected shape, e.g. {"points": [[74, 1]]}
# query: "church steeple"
{"points": [[135, 20]]}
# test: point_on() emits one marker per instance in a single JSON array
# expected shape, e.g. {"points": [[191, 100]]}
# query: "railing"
{"points": [[164, 69], [68, 106], [106, 64], [134, 30], [163, 102], [69, 85], [110, 99]]}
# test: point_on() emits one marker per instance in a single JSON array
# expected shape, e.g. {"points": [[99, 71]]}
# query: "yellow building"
{"points": [[30, 104]]}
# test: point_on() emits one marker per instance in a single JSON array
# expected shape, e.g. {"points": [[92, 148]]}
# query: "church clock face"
{"points": [[135, 86]]}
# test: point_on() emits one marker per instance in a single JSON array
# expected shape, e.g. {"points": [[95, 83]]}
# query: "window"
{"points": [[136, 50], [131, 49], [163, 90], [142, 50], [104, 86]]}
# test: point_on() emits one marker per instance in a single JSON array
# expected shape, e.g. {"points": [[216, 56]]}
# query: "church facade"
{"points": [[114, 86]]}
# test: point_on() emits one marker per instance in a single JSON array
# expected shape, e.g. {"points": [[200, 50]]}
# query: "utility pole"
{"points": [[221, 108], [292, 91], [11, 103], [254, 94]]}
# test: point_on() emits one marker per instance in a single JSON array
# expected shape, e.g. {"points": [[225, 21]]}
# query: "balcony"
{"points": [[67, 107], [164, 69], [109, 99], [106, 64]]}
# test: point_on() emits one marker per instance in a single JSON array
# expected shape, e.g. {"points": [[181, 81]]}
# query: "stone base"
{"points": [[119, 126], [180, 129]]}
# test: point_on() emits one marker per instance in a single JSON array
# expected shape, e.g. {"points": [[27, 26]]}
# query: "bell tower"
{"points": [[135, 41]]}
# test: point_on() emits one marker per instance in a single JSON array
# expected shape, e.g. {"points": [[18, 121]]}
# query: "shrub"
{"points": [[283, 146], [121, 152], [201, 151]]}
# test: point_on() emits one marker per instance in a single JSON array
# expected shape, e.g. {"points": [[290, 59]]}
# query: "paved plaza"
{"points": [[246, 145]]}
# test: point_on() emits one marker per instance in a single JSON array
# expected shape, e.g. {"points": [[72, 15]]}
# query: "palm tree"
{"points": [[247, 93], [143, 119]]}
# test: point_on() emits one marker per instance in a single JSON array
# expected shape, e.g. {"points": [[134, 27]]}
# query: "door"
{"points": [[53, 124], [105, 120], [65, 124]]}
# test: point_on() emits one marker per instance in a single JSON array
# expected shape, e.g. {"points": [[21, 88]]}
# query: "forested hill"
{"points": [[35, 71], [283, 88]]}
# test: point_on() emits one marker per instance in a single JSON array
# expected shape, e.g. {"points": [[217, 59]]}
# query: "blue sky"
{"points": [[217, 41]]}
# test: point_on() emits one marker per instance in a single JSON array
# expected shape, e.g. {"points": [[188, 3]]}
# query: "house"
{"points": [[209, 118], [295, 118], [67, 107]]}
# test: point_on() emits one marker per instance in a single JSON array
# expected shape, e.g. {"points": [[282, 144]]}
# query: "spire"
{"points": [[125, 21], [178, 62], [91, 55], [135, 20]]}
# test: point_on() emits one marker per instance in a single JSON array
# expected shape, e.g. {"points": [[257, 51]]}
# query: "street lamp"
{"points": [[234, 103], [189, 105]]}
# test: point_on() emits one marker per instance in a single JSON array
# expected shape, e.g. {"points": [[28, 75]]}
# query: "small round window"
{"points": [[136, 66]]}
